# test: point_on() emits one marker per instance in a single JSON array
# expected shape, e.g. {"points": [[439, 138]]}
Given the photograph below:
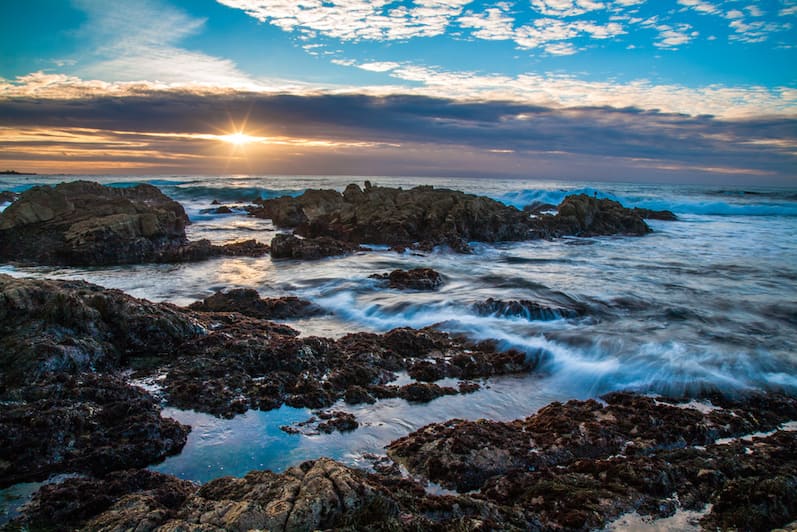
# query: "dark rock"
{"points": [[539, 207], [85, 223], [55, 327], [86, 423], [531, 310], [424, 217], [223, 210], [583, 215], [649, 214], [248, 302], [356, 395], [285, 246], [244, 248], [7, 196], [145, 498], [316, 495], [465, 454], [382, 215], [423, 392], [324, 422], [416, 279]]}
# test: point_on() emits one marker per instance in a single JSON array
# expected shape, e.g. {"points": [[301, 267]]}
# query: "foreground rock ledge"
{"points": [[86, 224], [424, 217], [581, 481]]}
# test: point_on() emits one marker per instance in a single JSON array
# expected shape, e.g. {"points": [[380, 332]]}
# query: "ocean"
{"points": [[705, 303]]}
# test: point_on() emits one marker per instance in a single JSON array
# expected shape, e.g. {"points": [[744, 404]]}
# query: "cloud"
{"points": [[139, 41], [566, 8], [177, 127], [492, 25], [351, 20]]}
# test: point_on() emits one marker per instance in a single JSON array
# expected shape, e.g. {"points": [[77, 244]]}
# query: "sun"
{"points": [[238, 138]]}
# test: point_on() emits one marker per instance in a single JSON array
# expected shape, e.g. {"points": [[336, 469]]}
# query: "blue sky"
{"points": [[649, 82]]}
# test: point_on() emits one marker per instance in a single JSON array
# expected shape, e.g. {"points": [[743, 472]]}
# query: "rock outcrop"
{"points": [[7, 196], [415, 279], [85, 223], [84, 423], [424, 217], [577, 466], [582, 464], [285, 246], [248, 302]]}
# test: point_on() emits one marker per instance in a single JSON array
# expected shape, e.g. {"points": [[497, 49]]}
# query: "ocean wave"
{"points": [[227, 194], [740, 203]]}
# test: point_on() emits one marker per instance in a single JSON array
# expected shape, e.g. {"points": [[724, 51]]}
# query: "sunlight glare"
{"points": [[238, 138]]}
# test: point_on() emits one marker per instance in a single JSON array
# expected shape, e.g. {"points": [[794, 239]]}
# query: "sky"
{"points": [[629, 90]]}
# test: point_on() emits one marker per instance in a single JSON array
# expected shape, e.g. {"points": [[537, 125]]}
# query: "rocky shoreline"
{"points": [[70, 350]]}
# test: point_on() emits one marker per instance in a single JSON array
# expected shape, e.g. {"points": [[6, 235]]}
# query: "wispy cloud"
{"points": [[140, 41]]}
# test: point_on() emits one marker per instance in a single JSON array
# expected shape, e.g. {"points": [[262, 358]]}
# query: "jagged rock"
{"points": [[465, 454], [85, 223], [55, 327], [324, 422], [649, 214], [424, 217], [247, 301], [86, 423], [7, 196], [356, 395], [415, 279], [285, 246], [583, 215], [423, 392]]}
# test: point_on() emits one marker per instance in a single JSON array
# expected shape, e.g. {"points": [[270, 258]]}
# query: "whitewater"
{"points": [[705, 303]]}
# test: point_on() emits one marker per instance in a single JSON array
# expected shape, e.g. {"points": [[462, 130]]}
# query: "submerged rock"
{"points": [[248, 302], [85, 223], [81, 424], [530, 310], [415, 279], [285, 246]]}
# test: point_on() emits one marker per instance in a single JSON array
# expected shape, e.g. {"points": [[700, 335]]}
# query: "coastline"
{"points": [[226, 333]]}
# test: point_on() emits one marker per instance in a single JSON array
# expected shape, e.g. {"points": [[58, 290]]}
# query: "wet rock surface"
{"points": [[85, 423], [85, 223], [248, 302], [316, 495], [6, 196], [325, 422], [581, 464], [424, 217], [285, 246], [415, 279]]}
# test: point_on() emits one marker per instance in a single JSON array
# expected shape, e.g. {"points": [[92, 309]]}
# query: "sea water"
{"points": [[708, 302]]}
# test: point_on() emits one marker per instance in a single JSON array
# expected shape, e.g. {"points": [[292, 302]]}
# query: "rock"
{"points": [[323, 422], [464, 454], [396, 217], [7, 196], [356, 395], [416, 279], [284, 246], [539, 207], [316, 495], [222, 210], [81, 424], [424, 217], [85, 223], [248, 302], [649, 214], [70, 504], [244, 248], [583, 215], [56, 327], [423, 392], [530, 310]]}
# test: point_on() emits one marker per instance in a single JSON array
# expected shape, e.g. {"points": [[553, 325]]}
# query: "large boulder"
{"points": [[248, 302], [415, 279], [423, 217], [285, 246], [583, 215], [85, 223], [56, 327], [397, 217], [82, 424]]}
